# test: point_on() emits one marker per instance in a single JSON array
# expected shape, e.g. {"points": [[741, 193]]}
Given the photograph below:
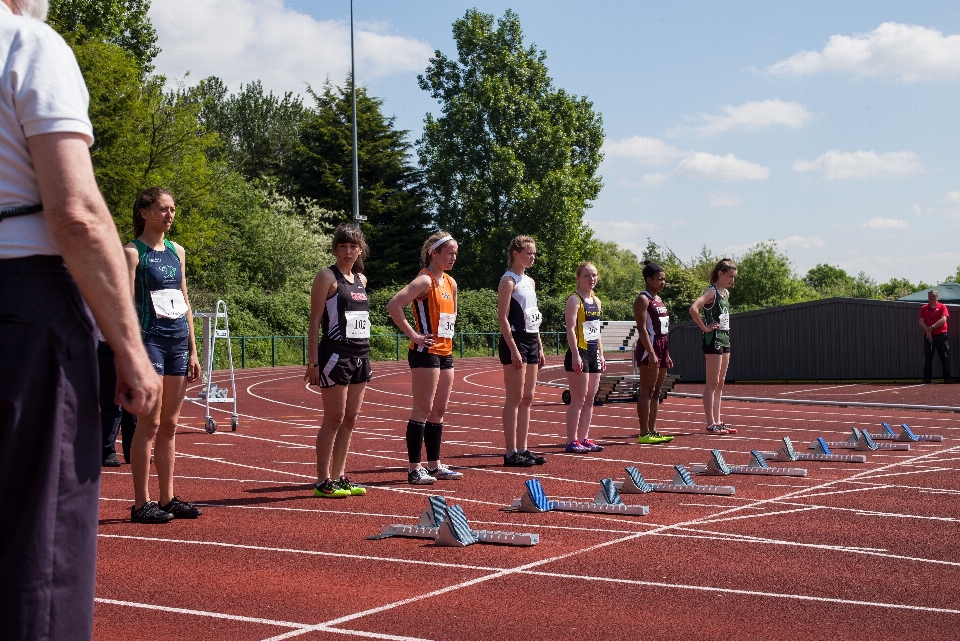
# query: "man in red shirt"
{"points": [[933, 321]]}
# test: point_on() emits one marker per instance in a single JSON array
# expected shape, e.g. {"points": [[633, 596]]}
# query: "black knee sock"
{"points": [[431, 438], [414, 440]]}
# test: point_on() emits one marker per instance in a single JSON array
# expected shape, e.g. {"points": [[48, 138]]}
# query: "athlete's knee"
{"points": [[526, 398]]}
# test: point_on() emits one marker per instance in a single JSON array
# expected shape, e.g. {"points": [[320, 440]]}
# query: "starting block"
{"points": [[857, 442], [906, 434], [758, 465], [607, 501], [682, 483], [823, 453], [448, 526]]}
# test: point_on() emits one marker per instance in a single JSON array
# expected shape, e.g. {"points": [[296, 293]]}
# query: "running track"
{"points": [[850, 551]]}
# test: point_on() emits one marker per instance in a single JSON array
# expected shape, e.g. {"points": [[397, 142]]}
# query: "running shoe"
{"points": [[110, 461], [716, 428], [181, 509], [590, 445], [354, 489], [650, 439], [574, 447], [663, 439], [329, 490], [730, 429], [149, 512], [419, 476], [532, 456], [443, 473], [516, 460]]}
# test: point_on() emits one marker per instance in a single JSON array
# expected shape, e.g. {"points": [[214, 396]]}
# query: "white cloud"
{"points": [[727, 167], [802, 242], [862, 164], [953, 198], [905, 52], [244, 40], [723, 199], [651, 151], [886, 223], [655, 179], [751, 116]]}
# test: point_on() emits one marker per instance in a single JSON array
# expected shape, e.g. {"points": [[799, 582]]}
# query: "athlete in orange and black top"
{"points": [[433, 296]]}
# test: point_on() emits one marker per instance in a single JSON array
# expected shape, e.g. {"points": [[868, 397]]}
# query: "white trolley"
{"points": [[212, 393]]}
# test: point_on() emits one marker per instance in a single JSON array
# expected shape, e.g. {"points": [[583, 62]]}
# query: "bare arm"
{"points": [[707, 298], [193, 363], [87, 239], [640, 310], [319, 293], [417, 288], [504, 294], [570, 319]]}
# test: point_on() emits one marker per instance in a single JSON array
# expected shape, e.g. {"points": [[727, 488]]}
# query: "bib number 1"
{"points": [[168, 303], [447, 322]]}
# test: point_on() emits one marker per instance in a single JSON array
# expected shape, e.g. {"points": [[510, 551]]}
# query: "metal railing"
{"points": [[274, 350]]}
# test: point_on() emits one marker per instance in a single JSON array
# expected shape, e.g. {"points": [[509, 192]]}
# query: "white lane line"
{"points": [[816, 389], [339, 555], [759, 593]]}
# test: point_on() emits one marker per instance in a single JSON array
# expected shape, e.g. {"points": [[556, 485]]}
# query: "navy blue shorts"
{"points": [[169, 356]]}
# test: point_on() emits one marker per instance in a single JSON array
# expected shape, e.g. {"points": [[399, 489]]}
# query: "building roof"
{"points": [[949, 294]]}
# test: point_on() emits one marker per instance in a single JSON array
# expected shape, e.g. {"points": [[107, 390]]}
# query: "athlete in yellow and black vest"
{"points": [[715, 305], [584, 359], [433, 297]]}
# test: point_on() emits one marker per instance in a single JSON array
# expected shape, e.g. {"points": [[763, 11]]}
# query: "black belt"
{"points": [[12, 212]]}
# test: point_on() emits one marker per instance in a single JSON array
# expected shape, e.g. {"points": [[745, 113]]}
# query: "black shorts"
{"points": [[429, 361], [528, 344], [169, 356], [591, 362], [336, 369], [715, 349]]}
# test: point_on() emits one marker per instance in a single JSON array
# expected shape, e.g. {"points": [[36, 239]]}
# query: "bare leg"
{"points": [[721, 377], [513, 387], [655, 400], [713, 364], [341, 446], [164, 448], [586, 411], [147, 426], [523, 411], [334, 407], [645, 397], [440, 399], [424, 382], [577, 384]]}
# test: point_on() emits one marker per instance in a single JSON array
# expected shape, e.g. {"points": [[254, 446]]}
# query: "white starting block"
{"points": [[758, 465], [607, 501], [823, 454], [906, 434], [682, 483], [856, 441], [448, 526]]}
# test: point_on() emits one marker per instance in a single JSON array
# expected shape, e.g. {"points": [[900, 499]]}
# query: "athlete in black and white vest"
{"points": [[340, 310], [521, 352]]}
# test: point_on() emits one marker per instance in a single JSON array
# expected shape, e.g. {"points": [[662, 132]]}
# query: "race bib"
{"points": [[532, 319], [591, 330], [358, 324], [168, 303], [665, 325], [724, 321], [447, 321]]}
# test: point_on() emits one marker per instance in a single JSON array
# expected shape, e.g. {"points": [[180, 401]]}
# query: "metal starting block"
{"points": [[758, 465], [682, 483], [607, 501], [906, 434], [823, 453], [448, 526], [856, 441]]}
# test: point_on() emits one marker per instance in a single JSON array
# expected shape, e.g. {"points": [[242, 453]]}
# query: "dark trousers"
{"points": [[940, 343], [113, 418], [49, 453]]}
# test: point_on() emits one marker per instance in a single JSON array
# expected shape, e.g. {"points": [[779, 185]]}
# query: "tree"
{"points": [[899, 287], [391, 192], [620, 274], [511, 154], [120, 22], [830, 281], [765, 278]]}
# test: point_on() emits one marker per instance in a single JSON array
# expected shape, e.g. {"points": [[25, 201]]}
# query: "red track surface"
{"points": [[868, 551]]}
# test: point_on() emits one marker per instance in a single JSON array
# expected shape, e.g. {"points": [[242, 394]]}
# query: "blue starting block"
{"points": [[906, 435], [607, 501], [448, 526], [758, 466]]}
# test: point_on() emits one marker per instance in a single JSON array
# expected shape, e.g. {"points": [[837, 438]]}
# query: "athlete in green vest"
{"points": [[715, 323]]}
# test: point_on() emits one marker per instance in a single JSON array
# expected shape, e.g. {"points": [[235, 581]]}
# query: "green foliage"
{"points": [[391, 195], [765, 278], [619, 273], [123, 23], [511, 154], [830, 281], [899, 287]]}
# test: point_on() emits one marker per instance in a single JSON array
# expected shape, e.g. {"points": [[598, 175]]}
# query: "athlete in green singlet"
{"points": [[715, 304]]}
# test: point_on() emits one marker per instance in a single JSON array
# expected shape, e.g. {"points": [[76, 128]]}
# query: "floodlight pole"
{"points": [[353, 92]]}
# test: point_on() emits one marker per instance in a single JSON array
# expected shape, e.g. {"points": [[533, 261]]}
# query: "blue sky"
{"points": [[829, 127]]}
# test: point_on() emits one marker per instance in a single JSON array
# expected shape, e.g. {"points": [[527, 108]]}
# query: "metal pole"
{"points": [[353, 93]]}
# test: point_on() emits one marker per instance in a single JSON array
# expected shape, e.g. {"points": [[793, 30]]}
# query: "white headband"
{"points": [[439, 242]]}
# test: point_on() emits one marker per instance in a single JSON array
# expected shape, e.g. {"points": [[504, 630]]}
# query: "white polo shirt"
{"points": [[41, 92]]}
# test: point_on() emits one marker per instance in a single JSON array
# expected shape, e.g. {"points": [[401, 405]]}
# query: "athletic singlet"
{"points": [[436, 314], [587, 329], [523, 316], [345, 325], [160, 303], [656, 308], [721, 336]]}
